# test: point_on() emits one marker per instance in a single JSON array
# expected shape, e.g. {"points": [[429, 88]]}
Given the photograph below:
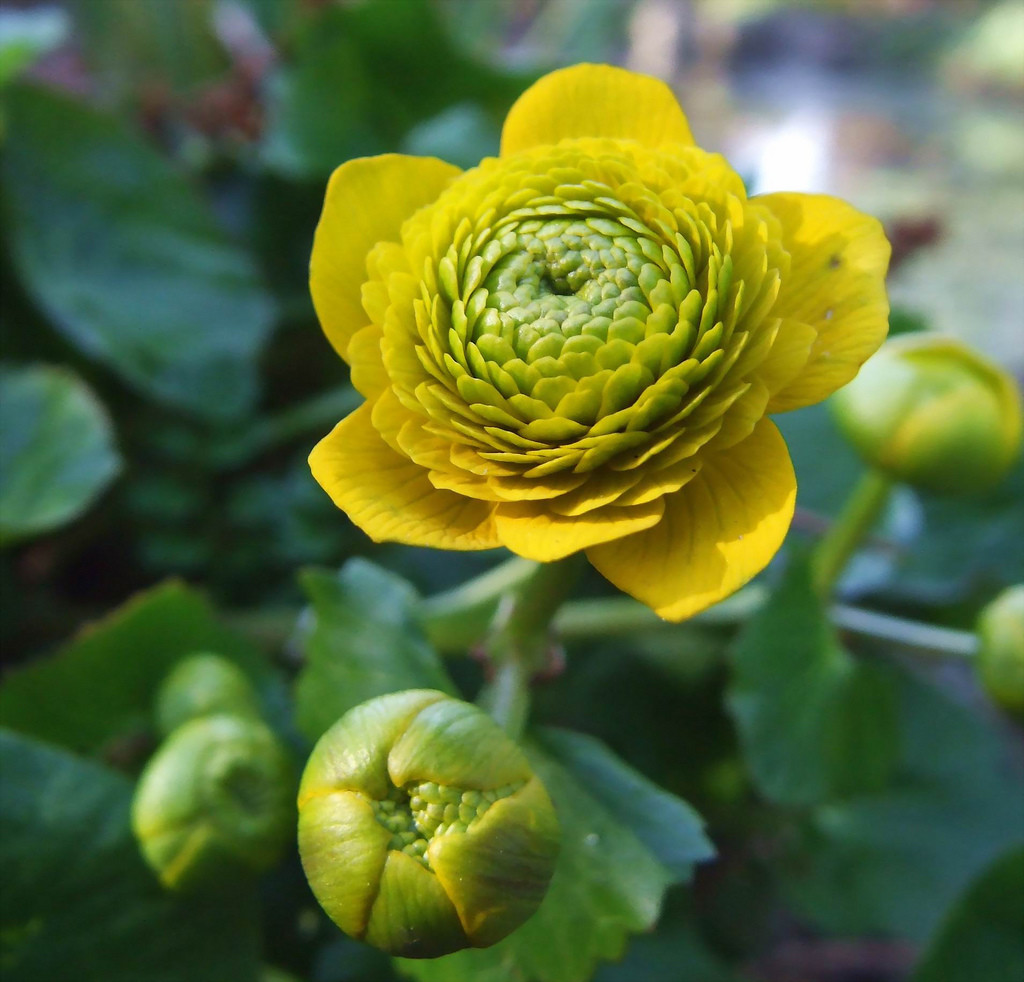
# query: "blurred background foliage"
{"points": [[163, 379]]}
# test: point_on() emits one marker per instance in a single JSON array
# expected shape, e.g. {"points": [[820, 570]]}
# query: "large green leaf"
{"points": [[616, 861], [674, 951], [892, 863], [79, 905], [362, 76], [362, 640], [101, 685], [823, 489], [670, 829], [814, 723], [126, 260], [967, 544], [57, 452], [982, 938]]}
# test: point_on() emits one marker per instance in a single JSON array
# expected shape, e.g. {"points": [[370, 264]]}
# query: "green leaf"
{"points": [[614, 866], [982, 937], [79, 903], [363, 641], [948, 547], [57, 452], [814, 723], [462, 135], [362, 76], [893, 863], [318, 111], [967, 543], [675, 951], [101, 686], [823, 489], [126, 260], [670, 829]]}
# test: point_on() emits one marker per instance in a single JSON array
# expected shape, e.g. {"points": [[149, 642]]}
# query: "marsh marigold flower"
{"points": [[574, 346]]}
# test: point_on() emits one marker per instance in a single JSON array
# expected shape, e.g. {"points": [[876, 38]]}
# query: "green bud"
{"points": [[422, 828], [216, 798], [204, 685], [1001, 652], [930, 411]]}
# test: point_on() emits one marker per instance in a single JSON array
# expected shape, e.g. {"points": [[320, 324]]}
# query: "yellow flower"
{"points": [[573, 346]]}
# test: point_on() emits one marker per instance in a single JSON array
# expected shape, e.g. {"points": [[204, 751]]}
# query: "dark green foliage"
{"points": [[79, 905], [814, 723], [57, 452], [983, 936], [163, 381], [126, 260]]}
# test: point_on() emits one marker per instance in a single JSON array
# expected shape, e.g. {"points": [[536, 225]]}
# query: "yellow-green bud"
{"points": [[1001, 651], [422, 827], [930, 411], [204, 685], [216, 798]]}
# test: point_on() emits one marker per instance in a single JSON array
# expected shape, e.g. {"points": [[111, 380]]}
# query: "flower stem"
{"points": [[506, 698], [928, 640], [520, 641], [859, 514], [457, 619]]}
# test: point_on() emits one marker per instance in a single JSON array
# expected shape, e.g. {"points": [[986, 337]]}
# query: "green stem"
{"points": [[859, 514], [506, 698], [618, 616], [521, 639], [457, 619], [921, 639]]}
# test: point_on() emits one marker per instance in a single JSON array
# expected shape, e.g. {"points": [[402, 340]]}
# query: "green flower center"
{"points": [[422, 810], [562, 279]]}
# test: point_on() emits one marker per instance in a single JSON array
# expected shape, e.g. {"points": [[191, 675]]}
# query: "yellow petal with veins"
{"points": [[389, 497], [718, 531], [530, 530], [835, 284], [367, 200]]}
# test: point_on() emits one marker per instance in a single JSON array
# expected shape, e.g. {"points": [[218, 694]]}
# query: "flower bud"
{"points": [[422, 828], [930, 411], [1001, 652], [204, 685], [214, 799]]}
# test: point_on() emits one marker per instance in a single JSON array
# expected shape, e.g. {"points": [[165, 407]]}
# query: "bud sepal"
{"points": [[932, 412], [1001, 649], [204, 684]]}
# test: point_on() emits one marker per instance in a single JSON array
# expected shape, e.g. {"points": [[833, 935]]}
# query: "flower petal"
{"points": [[836, 284], [595, 101], [529, 530], [389, 497], [718, 531], [367, 200], [364, 355]]}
